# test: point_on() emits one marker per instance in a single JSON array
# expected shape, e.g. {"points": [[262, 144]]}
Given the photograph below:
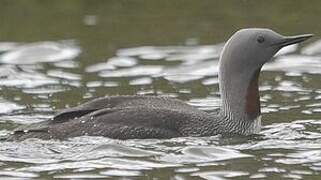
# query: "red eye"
{"points": [[260, 39]]}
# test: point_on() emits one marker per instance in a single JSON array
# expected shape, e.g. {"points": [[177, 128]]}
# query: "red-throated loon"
{"points": [[139, 117]]}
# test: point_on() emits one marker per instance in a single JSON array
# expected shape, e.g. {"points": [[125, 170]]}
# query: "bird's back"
{"points": [[122, 117]]}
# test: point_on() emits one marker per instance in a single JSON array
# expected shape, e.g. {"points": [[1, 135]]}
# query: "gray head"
{"points": [[241, 60], [251, 48]]}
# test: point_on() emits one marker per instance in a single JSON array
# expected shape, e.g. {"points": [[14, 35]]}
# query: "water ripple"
{"points": [[31, 53]]}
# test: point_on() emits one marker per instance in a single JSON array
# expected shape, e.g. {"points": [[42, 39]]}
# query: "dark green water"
{"points": [[56, 54]]}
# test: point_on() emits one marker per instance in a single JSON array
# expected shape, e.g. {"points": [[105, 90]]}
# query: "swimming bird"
{"points": [[140, 117]]}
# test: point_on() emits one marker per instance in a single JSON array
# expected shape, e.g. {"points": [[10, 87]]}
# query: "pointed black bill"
{"points": [[288, 40]]}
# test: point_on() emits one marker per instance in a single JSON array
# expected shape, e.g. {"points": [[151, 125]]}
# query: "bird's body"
{"points": [[139, 117], [127, 117]]}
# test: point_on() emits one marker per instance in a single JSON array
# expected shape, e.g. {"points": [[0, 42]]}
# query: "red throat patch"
{"points": [[253, 108]]}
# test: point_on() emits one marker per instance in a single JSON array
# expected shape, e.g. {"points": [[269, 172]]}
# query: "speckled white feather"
{"points": [[255, 127]]}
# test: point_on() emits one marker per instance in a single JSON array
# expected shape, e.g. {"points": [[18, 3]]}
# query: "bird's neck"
{"points": [[240, 94]]}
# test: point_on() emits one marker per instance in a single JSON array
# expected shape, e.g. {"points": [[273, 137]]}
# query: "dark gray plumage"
{"points": [[128, 117], [125, 117]]}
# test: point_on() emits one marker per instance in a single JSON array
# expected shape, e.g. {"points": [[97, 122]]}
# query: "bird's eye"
{"points": [[260, 39]]}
